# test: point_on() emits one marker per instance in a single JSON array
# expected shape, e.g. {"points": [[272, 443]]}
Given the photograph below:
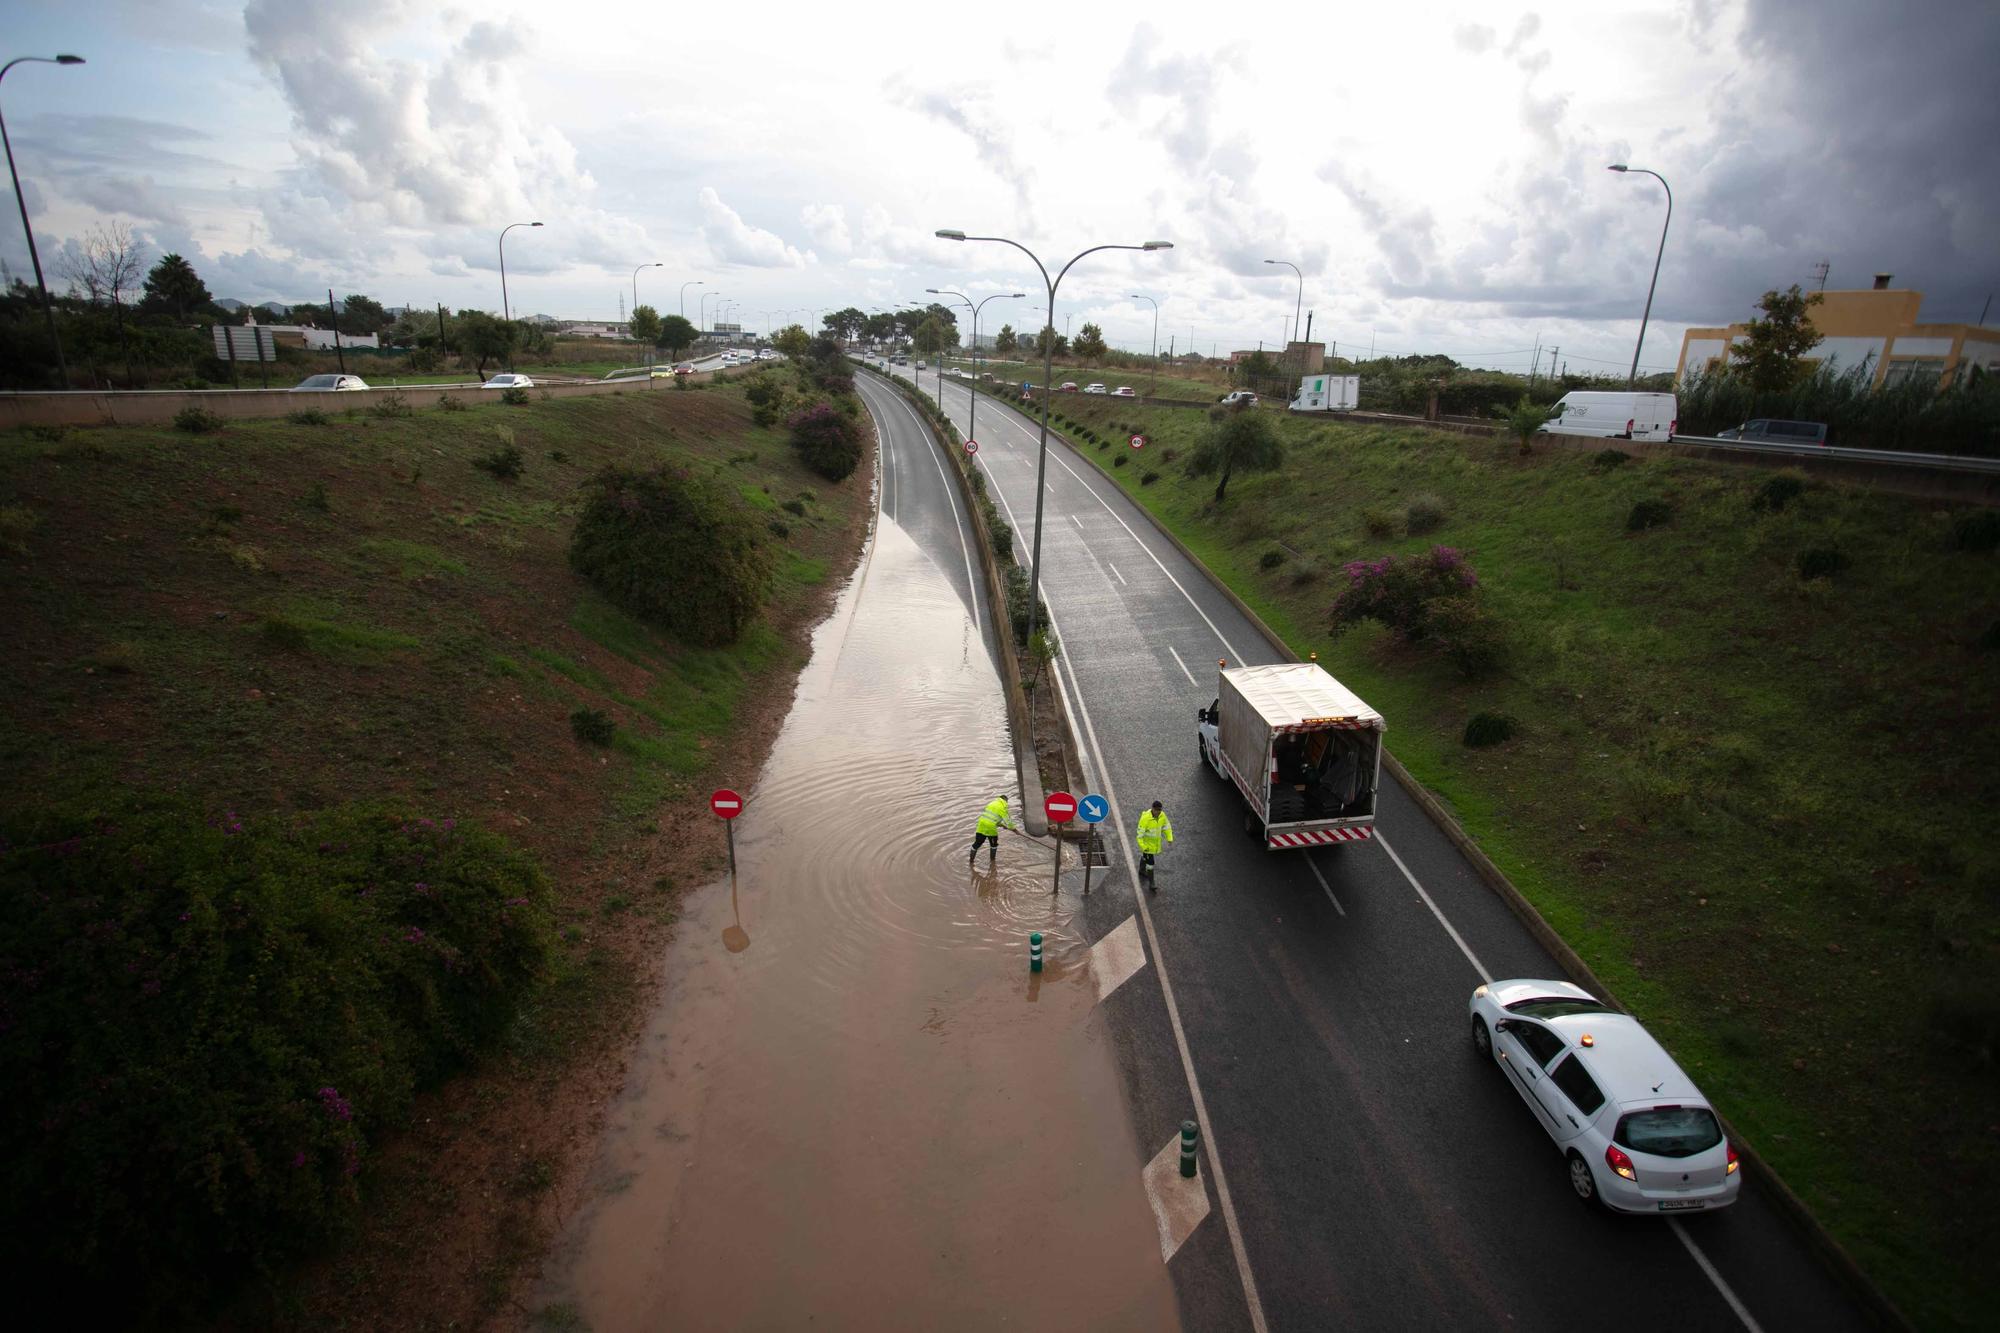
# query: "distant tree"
{"points": [[174, 288], [480, 338], [1047, 337], [929, 338], [1772, 351], [1089, 342], [676, 335], [792, 340], [106, 267], [1005, 341], [845, 324], [907, 322], [1240, 438], [362, 315], [880, 327], [645, 324]]}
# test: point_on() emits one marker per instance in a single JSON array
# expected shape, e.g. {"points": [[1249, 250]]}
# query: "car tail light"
{"points": [[1731, 1169], [1615, 1158]]}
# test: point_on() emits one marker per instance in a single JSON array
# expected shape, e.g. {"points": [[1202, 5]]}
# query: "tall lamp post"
{"points": [[507, 311], [701, 308], [48, 308], [635, 282], [1633, 378], [1153, 386], [972, 392], [1048, 370], [1297, 306], [684, 297]]}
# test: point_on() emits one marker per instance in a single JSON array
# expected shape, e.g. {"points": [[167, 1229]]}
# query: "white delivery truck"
{"points": [[1328, 393], [1304, 751], [1622, 416]]}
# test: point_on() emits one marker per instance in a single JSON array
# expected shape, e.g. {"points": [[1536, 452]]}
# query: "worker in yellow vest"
{"points": [[1153, 827], [990, 825]]}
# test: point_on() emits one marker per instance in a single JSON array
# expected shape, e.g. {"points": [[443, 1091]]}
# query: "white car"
{"points": [[509, 381], [766, 354], [1243, 396], [1635, 1133], [1123, 391], [329, 384], [1094, 388]]}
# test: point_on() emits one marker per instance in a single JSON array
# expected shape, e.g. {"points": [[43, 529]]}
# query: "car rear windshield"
{"points": [[1670, 1131], [1557, 1008]]}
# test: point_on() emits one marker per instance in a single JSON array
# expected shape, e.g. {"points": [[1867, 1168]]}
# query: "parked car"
{"points": [[509, 380], [1123, 391], [1094, 388], [329, 384], [1067, 386], [1635, 1133], [1243, 396], [1777, 432]]}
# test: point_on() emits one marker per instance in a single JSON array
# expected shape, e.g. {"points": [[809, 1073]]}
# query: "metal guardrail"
{"points": [[1947, 462]]}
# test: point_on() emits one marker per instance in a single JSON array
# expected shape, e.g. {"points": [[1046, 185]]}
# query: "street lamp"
{"points": [[1153, 386], [48, 309], [507, 311], [1048, 370], [684, 297], [635, 282], [1633, 377], [1297, 307], [701, 308], [972, 392], [965, 301]]}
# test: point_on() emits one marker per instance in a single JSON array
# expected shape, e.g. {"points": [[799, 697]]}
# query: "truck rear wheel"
{"points": [[1252, 826]]}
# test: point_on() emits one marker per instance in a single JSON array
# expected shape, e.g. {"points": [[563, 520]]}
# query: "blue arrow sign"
{"points": [[1092, 809]]}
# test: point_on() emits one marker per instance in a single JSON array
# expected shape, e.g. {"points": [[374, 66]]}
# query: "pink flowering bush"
{"points": [[1431, 600], [205, 1022], [828, 439]]}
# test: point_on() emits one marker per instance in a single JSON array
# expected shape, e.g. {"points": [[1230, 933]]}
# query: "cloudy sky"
{"points": [[1436, 170]]}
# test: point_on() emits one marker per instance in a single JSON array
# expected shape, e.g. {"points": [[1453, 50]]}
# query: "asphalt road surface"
{"points": [[1363, 1168]]}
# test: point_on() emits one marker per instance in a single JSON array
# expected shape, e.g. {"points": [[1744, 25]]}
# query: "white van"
{"points": [[1623, 416]]}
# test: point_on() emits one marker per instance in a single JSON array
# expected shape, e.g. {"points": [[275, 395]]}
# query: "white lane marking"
{"points": [[1323, 884], [1073, 696], [1079, 522], [1749, 1321], [1116, 957], [1449, 929], [1179, 1202], [1114, 569], [1183, 666], [971, 584]]}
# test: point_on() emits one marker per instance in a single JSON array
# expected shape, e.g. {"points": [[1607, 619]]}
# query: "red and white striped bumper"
{"points": [[1360, 833]]}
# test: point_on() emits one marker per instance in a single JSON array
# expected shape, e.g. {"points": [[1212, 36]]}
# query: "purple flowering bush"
{"points": [[828, 439], [1430, 599], [204, 1022]]}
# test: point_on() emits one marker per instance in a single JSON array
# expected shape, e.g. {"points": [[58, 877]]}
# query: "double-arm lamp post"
{"points": [[971, 394], [1048, 371]]}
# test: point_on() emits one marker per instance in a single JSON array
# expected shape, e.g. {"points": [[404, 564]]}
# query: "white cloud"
{"points": [[733, 241], [827, 224]]}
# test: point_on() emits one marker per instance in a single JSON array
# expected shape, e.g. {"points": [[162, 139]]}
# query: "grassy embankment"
{"points": [[282, 617], [1761, 807]]}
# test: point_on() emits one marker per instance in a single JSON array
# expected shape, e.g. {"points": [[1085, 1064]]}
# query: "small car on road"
{"points": [[1635, 1133], [1777, 432], [1067, 386], [1123, 391], [1094, 388], [329, 384], [684, 368], [1243, 396], [508, 380]]}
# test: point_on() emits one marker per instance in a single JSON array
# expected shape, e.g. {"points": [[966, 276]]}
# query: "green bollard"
{"points": [[1189, 1136], [1035, 952]]}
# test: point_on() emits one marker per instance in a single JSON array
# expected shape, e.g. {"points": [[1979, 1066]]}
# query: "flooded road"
{"points": [[854, 1104]]}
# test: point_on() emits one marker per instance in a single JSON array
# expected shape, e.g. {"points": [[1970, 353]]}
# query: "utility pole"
{"points": [[1553, 353], [1820, 271], [333, 318]]}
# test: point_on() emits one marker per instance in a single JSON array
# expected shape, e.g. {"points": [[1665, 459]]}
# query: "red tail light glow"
{"points": [[1615, 1158], [1629, 422], [1674, 426], [1731, 1169]]}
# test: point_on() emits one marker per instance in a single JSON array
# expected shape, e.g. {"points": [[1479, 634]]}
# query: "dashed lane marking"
{"points": [[1183, 666]]}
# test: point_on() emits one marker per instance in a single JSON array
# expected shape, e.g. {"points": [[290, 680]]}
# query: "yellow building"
{"points": [[1878, 327]]}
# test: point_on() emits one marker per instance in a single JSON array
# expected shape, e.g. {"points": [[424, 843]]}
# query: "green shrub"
{"points": [[447, 403], [592, 727], [209, 1021], [1484, 729], [827, 439], [48, 434], [1271, 559], [393, 404], [1148, 477], [1380, 523], [1120, 460], [316, 499], [197, 421], [284, 633], [558, 456], [673, 549], [1777, 492], [1425, 514], [1432, 599], [777, 527], [1648, 514], [308, 416], [16, 522], [504, 462], [796, 508], [515, 395], [1977, 531], [1821, 562], [1607, 459], [1017, 605]]}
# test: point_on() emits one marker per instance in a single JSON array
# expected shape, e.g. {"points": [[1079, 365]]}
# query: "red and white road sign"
{"points": [[1060, 806], [726, 804], [1137, 442], [972, 446]]}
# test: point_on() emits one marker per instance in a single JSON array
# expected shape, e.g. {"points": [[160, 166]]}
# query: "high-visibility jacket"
{"points": [[995, 818], [1151, 827]]}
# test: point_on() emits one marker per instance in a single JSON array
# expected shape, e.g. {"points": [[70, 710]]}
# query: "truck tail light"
{"points": [[1629, 422], [1615, 1158], [1673, 428]]}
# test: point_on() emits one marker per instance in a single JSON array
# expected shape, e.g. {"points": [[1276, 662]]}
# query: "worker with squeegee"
{"points": [[990, 825]]}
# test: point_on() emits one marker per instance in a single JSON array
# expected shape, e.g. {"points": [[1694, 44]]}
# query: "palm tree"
{"points": [[1524, 420]]}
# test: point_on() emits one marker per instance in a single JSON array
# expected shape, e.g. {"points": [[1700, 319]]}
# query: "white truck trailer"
{"points": [[1304, 751], [1328, 393]]}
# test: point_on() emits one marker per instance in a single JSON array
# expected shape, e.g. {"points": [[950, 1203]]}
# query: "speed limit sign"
{"points": [[1138, 442], [972, 446]]}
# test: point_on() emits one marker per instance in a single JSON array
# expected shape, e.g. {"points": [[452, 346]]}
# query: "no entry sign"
{"points": [[726, 804], [1137, 442], [972, 446], [1060, 806]]}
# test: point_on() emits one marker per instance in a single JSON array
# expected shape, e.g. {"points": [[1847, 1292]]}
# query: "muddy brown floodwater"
{"points": [[854, 1105]]}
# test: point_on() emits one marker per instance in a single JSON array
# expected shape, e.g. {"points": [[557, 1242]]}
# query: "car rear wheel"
{"points": [[1482, 1040], [1581, 1182]]}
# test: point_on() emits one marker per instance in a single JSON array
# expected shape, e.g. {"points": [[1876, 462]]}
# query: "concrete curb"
{"points": [[1828, 1250], [1026, 770]]}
